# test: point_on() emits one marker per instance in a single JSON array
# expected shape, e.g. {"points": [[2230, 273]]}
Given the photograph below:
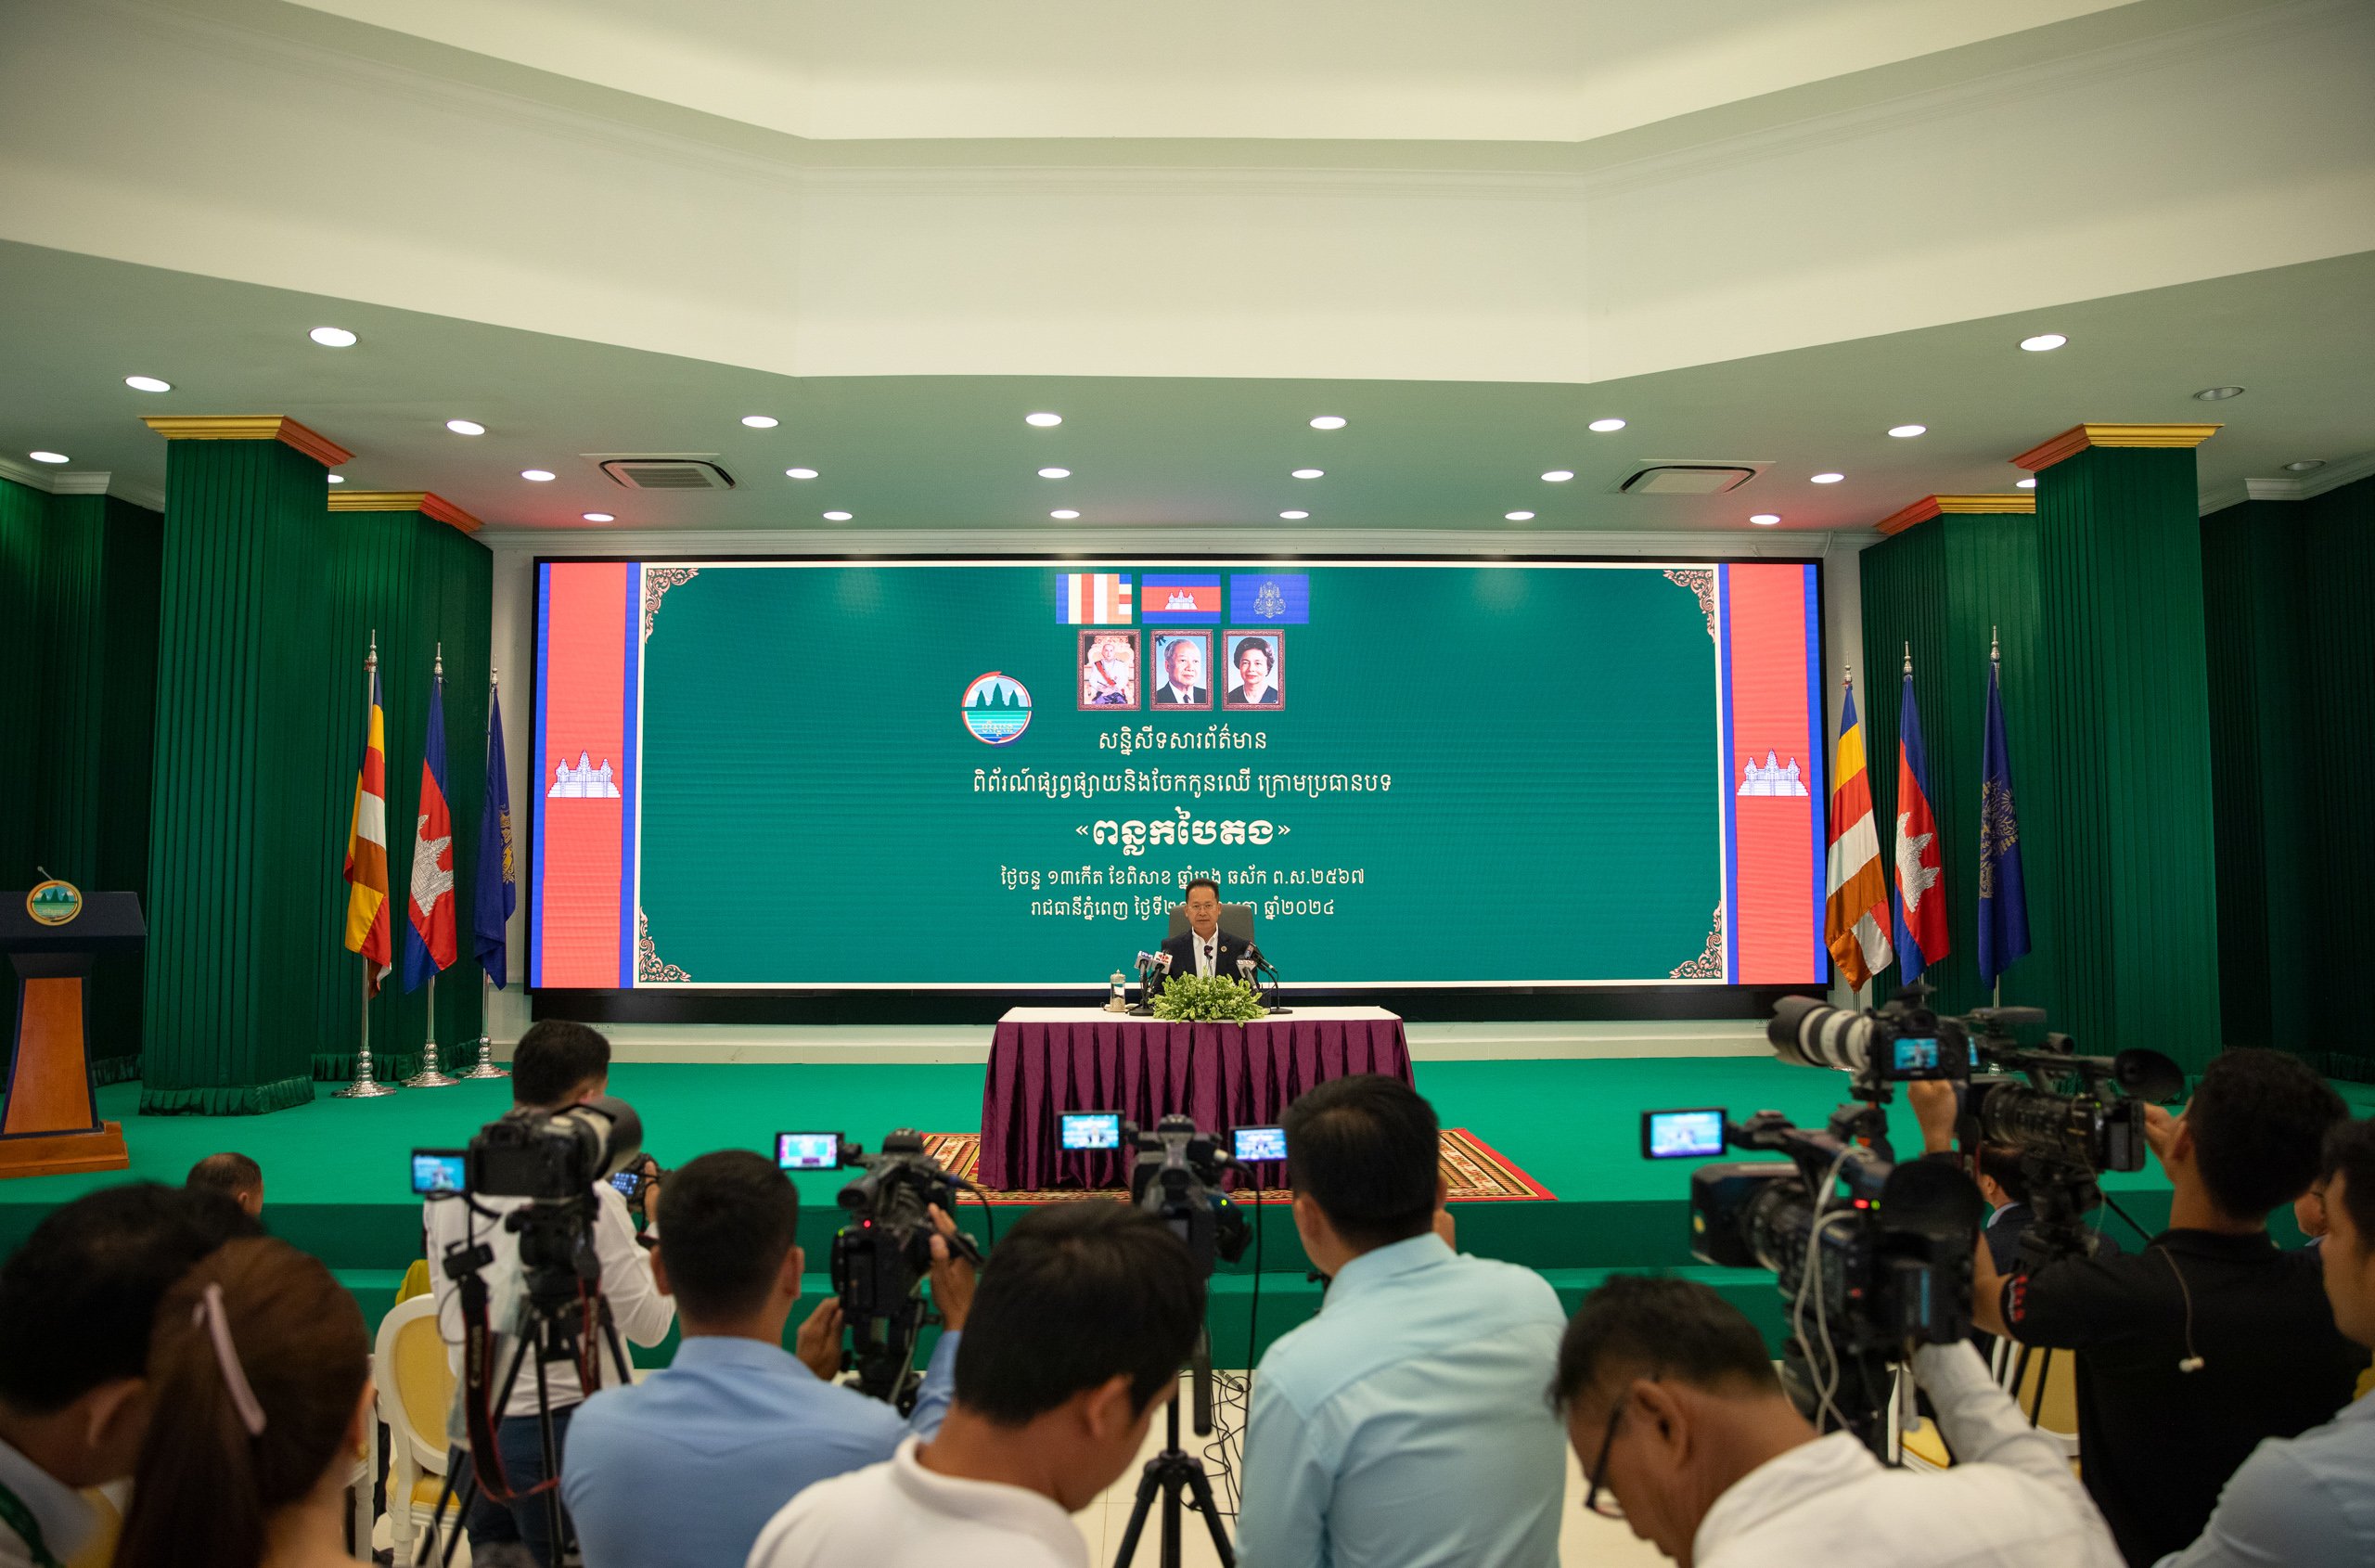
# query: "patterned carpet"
{"points": [[1473, 1171]]}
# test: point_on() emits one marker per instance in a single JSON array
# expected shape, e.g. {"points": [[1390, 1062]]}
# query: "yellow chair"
{"points": [[415, 1387], [99, 1550], [2057, 1416], [415, 1281]]}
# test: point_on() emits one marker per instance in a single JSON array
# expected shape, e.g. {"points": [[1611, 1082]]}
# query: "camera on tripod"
{"points": [[552, 1155], [1176, 1179], [1875, 1257], [882, 1252]]}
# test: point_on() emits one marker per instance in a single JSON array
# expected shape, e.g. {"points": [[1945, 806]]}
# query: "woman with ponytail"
{"points": [[260, 1370]]}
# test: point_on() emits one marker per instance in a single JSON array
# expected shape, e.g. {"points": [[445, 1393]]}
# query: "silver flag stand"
{"points": [[486, 1067], [364, 1086], [428, 1077]]}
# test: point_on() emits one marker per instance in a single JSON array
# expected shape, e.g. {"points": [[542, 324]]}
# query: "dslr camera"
{"points": [[882, 1255], [552, 1155], [1176, 1179]]}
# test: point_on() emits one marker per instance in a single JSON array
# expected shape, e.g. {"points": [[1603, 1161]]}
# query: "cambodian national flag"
{"points": [[1170, 600], [1920, 869], [429, 933]]}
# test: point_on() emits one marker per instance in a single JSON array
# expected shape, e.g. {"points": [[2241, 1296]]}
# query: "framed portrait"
{"points": [[1254, 678], [1108, 675], [1182, 676]]}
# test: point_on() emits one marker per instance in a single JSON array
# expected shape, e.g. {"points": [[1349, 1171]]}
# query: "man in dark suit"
{"points": [[1202, 948], [1183, 666]]}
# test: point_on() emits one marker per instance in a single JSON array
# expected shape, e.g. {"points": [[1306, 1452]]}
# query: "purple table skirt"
{"points": [[1222, 1075]]}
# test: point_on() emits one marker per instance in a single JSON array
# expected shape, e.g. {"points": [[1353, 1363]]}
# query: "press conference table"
{"points": [[1047, 1060]]}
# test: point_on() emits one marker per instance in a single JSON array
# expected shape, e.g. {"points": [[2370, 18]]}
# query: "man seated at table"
{"points": [[1203, 947]]}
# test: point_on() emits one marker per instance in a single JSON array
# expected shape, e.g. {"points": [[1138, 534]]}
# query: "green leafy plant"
{"points": [[1214, 998]]}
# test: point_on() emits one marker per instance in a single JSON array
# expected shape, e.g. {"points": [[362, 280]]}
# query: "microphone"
{"points": [[1146, 961], [1163, 962]]}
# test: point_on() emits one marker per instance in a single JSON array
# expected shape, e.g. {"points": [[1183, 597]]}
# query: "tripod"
{"points": [[1175, 1471]]}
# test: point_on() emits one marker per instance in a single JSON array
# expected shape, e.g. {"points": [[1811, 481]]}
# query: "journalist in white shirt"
{"points": [[1684, 1433]]}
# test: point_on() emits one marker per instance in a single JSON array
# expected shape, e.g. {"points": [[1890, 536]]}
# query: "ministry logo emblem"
{"points": [[997, 708]]}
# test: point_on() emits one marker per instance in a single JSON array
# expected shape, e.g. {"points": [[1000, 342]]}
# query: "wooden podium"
{"points": [[52, 1123]]}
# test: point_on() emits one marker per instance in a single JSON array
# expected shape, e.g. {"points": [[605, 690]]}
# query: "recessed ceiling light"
{"points": [[1310, 473], [1765, 519], [1328, 422], [2028, 483], [49, 456], [2043, 341], [1604, 426], [536, 476], [1064, 514], [1055, 473], [761, 421], [466, 427], [1829, 479], [1559, 476], [147, 383], [1519, 517], [800, 474], [2217, 394], [599, 517], [1294, 517], [1043, 420], [2306, 464], [332, 337], [337, 479], [1905, 432], [837, 516]]}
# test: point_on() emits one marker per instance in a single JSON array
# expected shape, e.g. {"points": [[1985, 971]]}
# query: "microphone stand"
{"points": [[1260, 964], [1146, 995]]}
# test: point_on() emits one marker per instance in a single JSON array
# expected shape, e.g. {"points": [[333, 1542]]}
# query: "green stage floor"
{"points": [[336, 1171]]}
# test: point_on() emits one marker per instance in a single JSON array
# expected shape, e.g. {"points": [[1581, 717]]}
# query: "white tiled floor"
{"points": [[1584, 1540]]}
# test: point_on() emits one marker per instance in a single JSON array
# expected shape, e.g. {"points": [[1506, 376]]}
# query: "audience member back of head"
{"points": [[234, 1176]]}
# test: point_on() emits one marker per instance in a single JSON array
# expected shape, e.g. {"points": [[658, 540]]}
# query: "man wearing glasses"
{"points": [[1684, 1433]]}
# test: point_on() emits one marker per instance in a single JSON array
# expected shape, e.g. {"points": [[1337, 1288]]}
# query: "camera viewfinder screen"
{"points": [[808, 1151], [627, 1181], [1259, 1143], [1917, 1055], [436, 1170], [1092, 1129], [1682, 1134]]}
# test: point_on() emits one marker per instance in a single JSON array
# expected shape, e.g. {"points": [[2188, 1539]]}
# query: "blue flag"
{"points": [[498, 889], [2003, 901], [1269, 598]]}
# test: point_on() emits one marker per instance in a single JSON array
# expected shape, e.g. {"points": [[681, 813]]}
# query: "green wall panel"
{"points": [[2133, 874]]}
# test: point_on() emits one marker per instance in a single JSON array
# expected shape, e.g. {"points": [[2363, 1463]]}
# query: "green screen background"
{"points": [[811, 813]]}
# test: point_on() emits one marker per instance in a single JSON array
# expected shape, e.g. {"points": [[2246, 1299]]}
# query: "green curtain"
{"points": [[1943, 587], [78, 588], [2292, 660]]}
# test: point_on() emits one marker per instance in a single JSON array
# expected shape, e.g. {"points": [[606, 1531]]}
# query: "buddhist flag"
{"points": [[429, 933], [367, 847], [1921, 870], [1855, 921], [498, 888], [1093, 598]]}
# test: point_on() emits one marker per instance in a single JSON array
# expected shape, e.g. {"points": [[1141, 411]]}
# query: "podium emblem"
{"points": [[54, 903]]}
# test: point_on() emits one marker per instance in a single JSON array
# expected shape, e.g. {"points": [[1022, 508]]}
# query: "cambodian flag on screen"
{"points": [[1170, 600], [1921, 864]]}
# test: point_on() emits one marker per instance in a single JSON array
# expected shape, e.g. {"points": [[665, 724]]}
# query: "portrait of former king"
{"points": [[1183, 671], [1108, 669], [1254, 673]]}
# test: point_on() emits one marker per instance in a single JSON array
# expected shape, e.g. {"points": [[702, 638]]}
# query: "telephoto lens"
{"points": [[1811, 1034]]}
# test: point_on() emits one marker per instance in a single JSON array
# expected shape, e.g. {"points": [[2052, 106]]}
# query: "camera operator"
{"points": [[1405, 1423], [1684, 1433], [1085, 1314], [735, 1427], [555, 1065], [2210, 1339], [77, 1302], [2309, 1501]]}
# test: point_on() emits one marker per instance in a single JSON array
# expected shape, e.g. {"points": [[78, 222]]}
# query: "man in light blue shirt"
{"points": [[684, 1469], [2309, 1501], [1404, 1426]]}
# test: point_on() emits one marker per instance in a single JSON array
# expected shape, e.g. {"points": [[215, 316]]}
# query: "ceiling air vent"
{"points": [[1688, 479], [666, 473]]}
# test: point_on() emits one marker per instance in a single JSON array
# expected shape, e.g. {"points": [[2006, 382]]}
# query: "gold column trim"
{"points": [[427, 503], [2078, 438], [248, 426], [1936, 505]]}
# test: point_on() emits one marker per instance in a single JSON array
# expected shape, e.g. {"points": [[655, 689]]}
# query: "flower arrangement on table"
{"points": [[1214, 999]]}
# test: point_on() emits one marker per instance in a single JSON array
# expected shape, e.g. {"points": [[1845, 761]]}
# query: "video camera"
{"points": [[1871, 1271], [552, 1155], [882, 1254], [1176, 1179]]}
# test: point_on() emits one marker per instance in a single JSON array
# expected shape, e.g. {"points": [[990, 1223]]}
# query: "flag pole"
{"points": [[428, 1077], [1995, 662], [364, 1086], [486, 1067]]}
